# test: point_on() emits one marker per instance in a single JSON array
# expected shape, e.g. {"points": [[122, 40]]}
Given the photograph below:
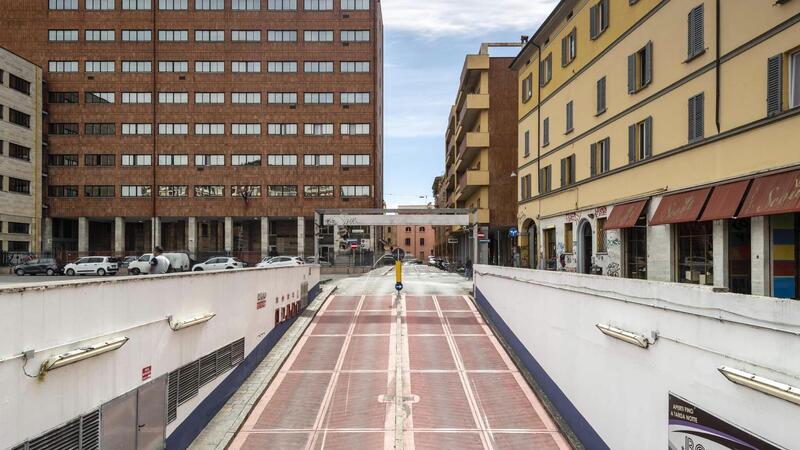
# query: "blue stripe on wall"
{"points": [[579, 425], [190, 428]]}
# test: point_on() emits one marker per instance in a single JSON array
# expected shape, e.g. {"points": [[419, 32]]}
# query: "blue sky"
{"points": [[425, 44]]}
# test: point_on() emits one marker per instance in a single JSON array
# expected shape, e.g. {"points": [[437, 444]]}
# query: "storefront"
{"points": [[631, 220]]}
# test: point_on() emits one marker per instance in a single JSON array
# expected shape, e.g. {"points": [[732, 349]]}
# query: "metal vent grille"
{"points": [[223, 359], [188, 381], [208, 368], [172, 396], [90, 431], [237, 352], [82, 433]]}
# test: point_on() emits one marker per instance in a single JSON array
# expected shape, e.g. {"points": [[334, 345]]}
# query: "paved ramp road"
{"points": [[418, 371]]}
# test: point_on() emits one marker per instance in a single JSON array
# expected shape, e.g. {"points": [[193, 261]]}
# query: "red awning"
{"points": [[625, 215], [725, 201], [683, 207], [775, 194]]}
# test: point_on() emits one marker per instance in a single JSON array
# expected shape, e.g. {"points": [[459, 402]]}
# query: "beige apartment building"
{"points": [[658, 140], [418, 241], [20, 154], [480, 144]]}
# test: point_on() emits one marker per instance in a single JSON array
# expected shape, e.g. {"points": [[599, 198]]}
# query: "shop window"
{"points": [[695, 253], [568, 240], [550, 256], [601, 236], [635, 248]]}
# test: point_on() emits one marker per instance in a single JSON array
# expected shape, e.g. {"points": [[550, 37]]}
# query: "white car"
{"points": [[219, 263], [281, 261], [178, 262], [92, 265]]}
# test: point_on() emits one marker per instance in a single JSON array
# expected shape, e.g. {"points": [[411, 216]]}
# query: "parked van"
{"points": [[178, 262]]}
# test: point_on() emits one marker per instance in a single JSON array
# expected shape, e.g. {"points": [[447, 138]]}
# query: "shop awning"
{"points": [[679, 208], [625, 215], [725, 201], [775, 194]]}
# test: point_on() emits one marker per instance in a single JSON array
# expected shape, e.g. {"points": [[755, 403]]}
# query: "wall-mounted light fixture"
{"points": [[181, 324], [80, 354], [761, 384], [626, 336]]}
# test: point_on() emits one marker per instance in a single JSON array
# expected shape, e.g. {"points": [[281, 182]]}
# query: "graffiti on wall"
{"points": [[613, 270]]}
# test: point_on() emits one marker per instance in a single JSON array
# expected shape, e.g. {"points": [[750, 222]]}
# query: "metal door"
{"points": [[118, 418], [152, 417]]}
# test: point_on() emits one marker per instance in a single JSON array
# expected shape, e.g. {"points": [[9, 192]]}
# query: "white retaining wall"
{"points": [[622, 390], [55, 318]]}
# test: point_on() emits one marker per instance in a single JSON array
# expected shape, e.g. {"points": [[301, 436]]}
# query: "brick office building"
{"points": [[214, 126]]}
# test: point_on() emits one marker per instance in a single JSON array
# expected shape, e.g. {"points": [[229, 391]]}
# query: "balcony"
{"points": [[471, 180], [471, 110], [470, 146]]}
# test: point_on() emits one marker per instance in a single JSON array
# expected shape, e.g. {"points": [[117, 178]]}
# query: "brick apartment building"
{"points": [[214, 126]]}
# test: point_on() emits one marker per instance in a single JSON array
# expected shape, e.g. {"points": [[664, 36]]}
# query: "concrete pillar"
{"points": [[760, 256], [301, 236], [83, 235], [373, 242], [264, 237], [47, 236], [660, 256], [484, 246], [156, 224], [191, 236], [119, 236], [228, 235], [720, 243]]}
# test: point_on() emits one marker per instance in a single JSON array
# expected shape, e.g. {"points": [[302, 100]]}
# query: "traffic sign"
{"points": [[354, 246], [513, 232], [481, 235], [452, 241], [398, 287], [399, 254]]}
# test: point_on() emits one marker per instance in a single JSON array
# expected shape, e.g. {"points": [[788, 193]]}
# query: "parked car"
{"points": [[92, 265], [322, 261], [219, 263], [178, 262], [281, 261], [126, 261], [431, 260], [47, 266]]}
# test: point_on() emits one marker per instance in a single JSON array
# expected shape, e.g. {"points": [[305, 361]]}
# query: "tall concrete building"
{"points": [[214, 126], [481, 140], [20, 154], [658, 140]]}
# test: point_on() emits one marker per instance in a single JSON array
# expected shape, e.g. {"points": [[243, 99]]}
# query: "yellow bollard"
{"points": [[398, 271]]}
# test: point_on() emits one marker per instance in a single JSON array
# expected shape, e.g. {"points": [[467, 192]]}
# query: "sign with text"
{"points": [[261, 301], [147, 372], [691, 428]]}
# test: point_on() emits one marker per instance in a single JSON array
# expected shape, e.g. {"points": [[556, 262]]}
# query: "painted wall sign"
{"points": [[261, 301], [691, 428], [147, 372]]}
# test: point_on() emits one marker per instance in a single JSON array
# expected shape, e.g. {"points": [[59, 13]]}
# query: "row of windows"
{"points": [[209, 66], [16, 117], [206, 160], [250, 98], [71, 35], [16, 83], [248, 191], [215, 129], [210, 5], [17, 185], [17, 151]]}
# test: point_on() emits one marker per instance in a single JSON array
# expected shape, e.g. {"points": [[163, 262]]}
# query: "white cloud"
{"points": [[439, 18]]}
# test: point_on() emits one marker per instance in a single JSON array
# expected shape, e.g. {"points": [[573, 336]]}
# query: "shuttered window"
{"points": [[568, 171], [527, 88], [640, 140], [601, 95], [546, 132], [600, 153], [545, 180], [569, 118], [696, 117], [598, 19], [546, 70], [775, 85], [569, 47], [696, 42], [640, 68], [527, 143]]}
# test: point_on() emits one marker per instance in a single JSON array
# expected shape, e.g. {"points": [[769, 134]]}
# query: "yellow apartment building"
{"points": [[660, 139]]}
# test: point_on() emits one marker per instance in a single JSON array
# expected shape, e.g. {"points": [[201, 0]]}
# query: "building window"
{"points": [[318, 160], [169, 97], [18, 84], [99, 97], [640, 69], [19, 186], [282, 66], [245, 35], [569, 240], [601, 236], [635, 250], [99, 160], [568, 171], [173, 160], [527, 88], [318, 191], [246, 66], [281, 160], [282, 191], [640, 140], [173, 66], [63, 129], [354, 160], [318, 67], [100, 35], [355, 5], [569, 118], [62, 66], [209, 66], [569, 47], [318, 98], [63, 4], [98, 191], [356, 191], [282, 98], [354, 129], [246, 5], [209, 191], [246, 160], [135, 191], [62, 160], [139, 129], [354, 66], [246, 98], [62, 35], [354, 36], [173, 35], [546, 132], [527, 144], [350, 98], [318, 5], [62, 191], [282, 36], [601, 96], [99, 66], [246, 191], [209, 36], [282, 5], [408, 242], [215, 98], [695, 32], [173, 191], [245, 129], [545, 179], [209, 5], [173, 128], [100, 129], [794, 80], [695, 253], [209, 160], [600, 157], [99, 5], [137, 66], [173, 5], [62, 97], [525, 187], [696, 117], [282, 129], [137, 160], [318, 129], [19, 152], [546, 69], [598, 19], [550, 254], [215, 129], [136, 5], [19, 118]]}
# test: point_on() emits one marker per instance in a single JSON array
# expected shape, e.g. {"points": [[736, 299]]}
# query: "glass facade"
{"points": [[695, 253]]}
